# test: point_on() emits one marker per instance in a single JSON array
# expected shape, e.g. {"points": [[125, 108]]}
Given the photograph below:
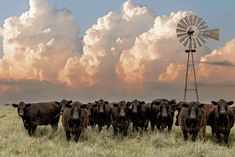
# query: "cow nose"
{"points": [[222, 112], [192, 117], [122, 115]]}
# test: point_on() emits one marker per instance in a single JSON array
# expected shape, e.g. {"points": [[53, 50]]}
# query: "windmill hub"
{"points": [[193, 31]]}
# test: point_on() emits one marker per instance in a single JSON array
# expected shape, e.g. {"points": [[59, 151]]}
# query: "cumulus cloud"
{"points": [[38, 43], [225, 58]]}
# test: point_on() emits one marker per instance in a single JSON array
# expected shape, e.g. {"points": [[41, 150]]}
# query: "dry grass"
{"points": [[14, 141]]}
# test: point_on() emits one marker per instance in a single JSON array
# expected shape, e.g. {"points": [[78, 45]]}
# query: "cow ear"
{"points": [[214, 102], [128, 104], [57, 103], [185, 105], [96, 102], [172, 102], [70, 101], [201, 105], [230, 103], [142, 102], [115, 105], [27, 105], [106, 102], [68, 105], [14, 105]]}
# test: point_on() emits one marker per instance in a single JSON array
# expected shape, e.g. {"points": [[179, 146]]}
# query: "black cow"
{"points": [[162, 114], [121, 118], [192, 120], [103, 113], [140, 113], [75, 119], [221, 119], [35, 114], [93, 114]]}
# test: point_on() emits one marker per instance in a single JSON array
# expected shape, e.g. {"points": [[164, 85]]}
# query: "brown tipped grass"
{"points": [[14, 141]]}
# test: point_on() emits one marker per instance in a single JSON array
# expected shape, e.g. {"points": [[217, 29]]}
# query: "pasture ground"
{"points": [[14, 141]]}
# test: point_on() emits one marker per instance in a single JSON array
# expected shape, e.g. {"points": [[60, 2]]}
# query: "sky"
{"points": [[115, 49]]}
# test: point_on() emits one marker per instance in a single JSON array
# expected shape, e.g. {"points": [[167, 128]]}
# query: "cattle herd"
{"points": [[192, 117]]}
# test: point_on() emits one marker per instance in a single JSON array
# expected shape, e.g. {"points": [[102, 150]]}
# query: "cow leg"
{"points": [[100, 127], [194, 136], [218, 137], [68, 136], [152, 125], [33, 129], [185, 134], [77, 135], [226, 135], [29, 129], [125, 132], [115, 130], [108, 126], [54, 128]]}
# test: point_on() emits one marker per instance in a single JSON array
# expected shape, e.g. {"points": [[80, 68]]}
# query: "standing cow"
{"points": [[75, 119], [222, 119], [192, 120], [139, 114], [35, 114], [162, 114], [103, 113], [121, 118]]}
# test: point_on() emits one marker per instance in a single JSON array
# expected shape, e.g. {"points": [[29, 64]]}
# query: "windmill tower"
{"points": [[192, 32]]}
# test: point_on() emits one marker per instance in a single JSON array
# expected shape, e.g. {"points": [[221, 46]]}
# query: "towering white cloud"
{"points": [[38, 43]]}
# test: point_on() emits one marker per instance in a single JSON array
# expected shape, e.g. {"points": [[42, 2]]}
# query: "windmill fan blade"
{"points": [[203, 27], [203, 23], [181, 26], [193, 20], [186, 20], [183, 38], [182, 22], [199, 21], [196, 18], [180, 30], [190, 18], [198, 42], [181, 35], [194, 43], [186, 42], [201, 39]]}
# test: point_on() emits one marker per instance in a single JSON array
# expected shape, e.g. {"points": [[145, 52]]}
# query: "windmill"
{"points": [[192, 32]]}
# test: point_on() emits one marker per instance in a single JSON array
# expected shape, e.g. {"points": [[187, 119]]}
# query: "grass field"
{"points": [[14, 141]]}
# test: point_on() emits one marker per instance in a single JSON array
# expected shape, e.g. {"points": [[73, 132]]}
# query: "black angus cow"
{"points": [[35, 114], [193, 120], [139, 114], [93, 114], [221, 119], [120, 118], [103, 114], [75, 119], [162, 114]]}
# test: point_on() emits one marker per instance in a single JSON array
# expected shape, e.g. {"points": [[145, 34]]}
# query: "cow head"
{"points": [[101, 106], [135, 105], [194, 110], [63, 104], [222, 106], [22, 108], [75, 110], [164, 107]]}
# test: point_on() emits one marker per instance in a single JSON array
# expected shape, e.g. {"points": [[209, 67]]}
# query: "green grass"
{"points": [[14, 141]]}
